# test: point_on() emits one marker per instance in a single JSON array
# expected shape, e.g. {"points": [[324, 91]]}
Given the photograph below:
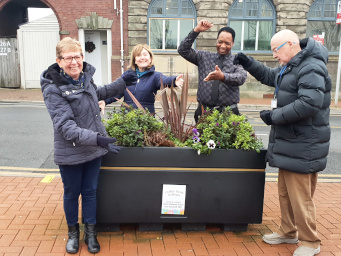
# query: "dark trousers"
{"points": [[198, 113], [80, 179]]}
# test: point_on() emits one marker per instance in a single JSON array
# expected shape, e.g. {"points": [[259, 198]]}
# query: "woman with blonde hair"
{"points": [[148, 80]]}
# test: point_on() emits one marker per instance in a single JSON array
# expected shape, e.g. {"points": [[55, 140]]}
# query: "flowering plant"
{"points": [[223, 130]]}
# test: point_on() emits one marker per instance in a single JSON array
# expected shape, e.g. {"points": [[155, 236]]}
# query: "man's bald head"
{"points": [[285, 35], [285, 44]]}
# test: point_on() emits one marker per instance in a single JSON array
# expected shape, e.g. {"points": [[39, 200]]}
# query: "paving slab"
{"points": [[32, 222]]}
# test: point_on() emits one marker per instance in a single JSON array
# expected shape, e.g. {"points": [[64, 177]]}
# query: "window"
{"points": [[169, 21], [322, 21], [254, 23]]}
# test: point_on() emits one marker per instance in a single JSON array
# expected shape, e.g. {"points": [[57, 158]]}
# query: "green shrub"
{"points": [[131, 127], [223, 130]]}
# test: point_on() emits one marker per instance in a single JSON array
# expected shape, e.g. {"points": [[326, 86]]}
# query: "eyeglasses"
{"points": [[279, 47], [69, 59]]}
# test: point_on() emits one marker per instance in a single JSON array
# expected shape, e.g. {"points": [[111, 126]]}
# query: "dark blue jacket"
{"points": [[145, 89], [75, 114]]}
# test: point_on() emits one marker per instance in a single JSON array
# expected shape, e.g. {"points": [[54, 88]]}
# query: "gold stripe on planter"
{"points": [[182, 169]]}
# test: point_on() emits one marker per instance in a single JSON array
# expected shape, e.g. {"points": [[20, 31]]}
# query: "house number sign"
{"points": [[5, 47]]}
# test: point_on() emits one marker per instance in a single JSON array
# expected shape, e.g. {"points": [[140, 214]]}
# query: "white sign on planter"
{"points": [[173, 199]]}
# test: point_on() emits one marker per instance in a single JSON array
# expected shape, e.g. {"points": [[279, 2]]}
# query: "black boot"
{"points": [[90, 238], [72, 245]]}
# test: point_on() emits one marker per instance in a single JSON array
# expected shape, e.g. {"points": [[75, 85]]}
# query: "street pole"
{"points": [[338, 21], [338, 78]]}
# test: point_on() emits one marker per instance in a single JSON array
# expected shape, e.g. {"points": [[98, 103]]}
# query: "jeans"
{"points": [[80, 179]]}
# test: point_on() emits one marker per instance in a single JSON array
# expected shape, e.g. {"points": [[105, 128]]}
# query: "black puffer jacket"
{"points": [[75, 114], [300, 134]]}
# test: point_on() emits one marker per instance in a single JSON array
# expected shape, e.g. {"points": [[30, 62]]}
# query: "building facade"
{"points": [[116, 26]]}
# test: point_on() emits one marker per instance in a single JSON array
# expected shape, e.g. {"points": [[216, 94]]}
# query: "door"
{"points": [[37, 53], [9, 63], [93, 54]]}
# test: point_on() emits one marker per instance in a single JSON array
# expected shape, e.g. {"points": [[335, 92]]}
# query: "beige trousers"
{"points": [[298, 211]]}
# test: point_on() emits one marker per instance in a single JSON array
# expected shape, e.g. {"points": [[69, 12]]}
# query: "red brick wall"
{"points": [[68, 11]]}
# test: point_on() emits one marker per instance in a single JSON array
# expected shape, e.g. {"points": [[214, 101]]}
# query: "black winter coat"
{"points": [[75, 114], [300, 134]]}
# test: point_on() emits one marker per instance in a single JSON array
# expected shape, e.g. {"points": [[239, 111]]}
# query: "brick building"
{"points": [[163, 23]]}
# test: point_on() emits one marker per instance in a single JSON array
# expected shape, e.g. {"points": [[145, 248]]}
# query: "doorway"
{"points": [[97, 54]]}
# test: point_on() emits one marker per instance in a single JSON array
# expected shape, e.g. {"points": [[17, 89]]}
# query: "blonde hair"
{"points": [[136, 51], [68, 44]]}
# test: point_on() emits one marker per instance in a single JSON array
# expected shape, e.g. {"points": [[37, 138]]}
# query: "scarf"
{"points": [[139, 73], [79, 81]]}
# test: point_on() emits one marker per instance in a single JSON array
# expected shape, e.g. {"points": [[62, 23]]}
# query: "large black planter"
{"points": [[225, 187]]}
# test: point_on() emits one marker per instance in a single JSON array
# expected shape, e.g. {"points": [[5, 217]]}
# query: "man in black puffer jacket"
{"points": [[300, 132]]}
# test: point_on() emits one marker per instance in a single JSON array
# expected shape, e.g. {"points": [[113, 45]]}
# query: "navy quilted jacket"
{"points": [[75, 114], [145, 89]]}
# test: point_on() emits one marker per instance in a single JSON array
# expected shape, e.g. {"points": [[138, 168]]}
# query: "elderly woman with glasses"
{"points": [[80, 138]]}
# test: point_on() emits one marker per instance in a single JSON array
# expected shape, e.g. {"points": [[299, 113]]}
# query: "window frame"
{"points": [[322, 18], [321, 2], [257, 19], [165, 17]]}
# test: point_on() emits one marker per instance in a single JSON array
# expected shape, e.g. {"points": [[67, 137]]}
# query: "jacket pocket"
{"points": [[285, 132]]}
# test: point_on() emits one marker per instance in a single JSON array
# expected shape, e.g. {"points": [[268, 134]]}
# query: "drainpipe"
{"points": [[121, 27]]}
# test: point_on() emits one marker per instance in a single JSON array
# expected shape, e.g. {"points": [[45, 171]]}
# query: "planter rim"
{"points": [[181, 157]]}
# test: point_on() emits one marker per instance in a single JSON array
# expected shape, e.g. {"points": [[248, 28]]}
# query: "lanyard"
{"points": [[280, 79]]}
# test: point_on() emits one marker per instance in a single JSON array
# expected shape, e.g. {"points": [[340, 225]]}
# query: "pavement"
{"points": [[32, 220], [35, 95], [260, 100]]}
